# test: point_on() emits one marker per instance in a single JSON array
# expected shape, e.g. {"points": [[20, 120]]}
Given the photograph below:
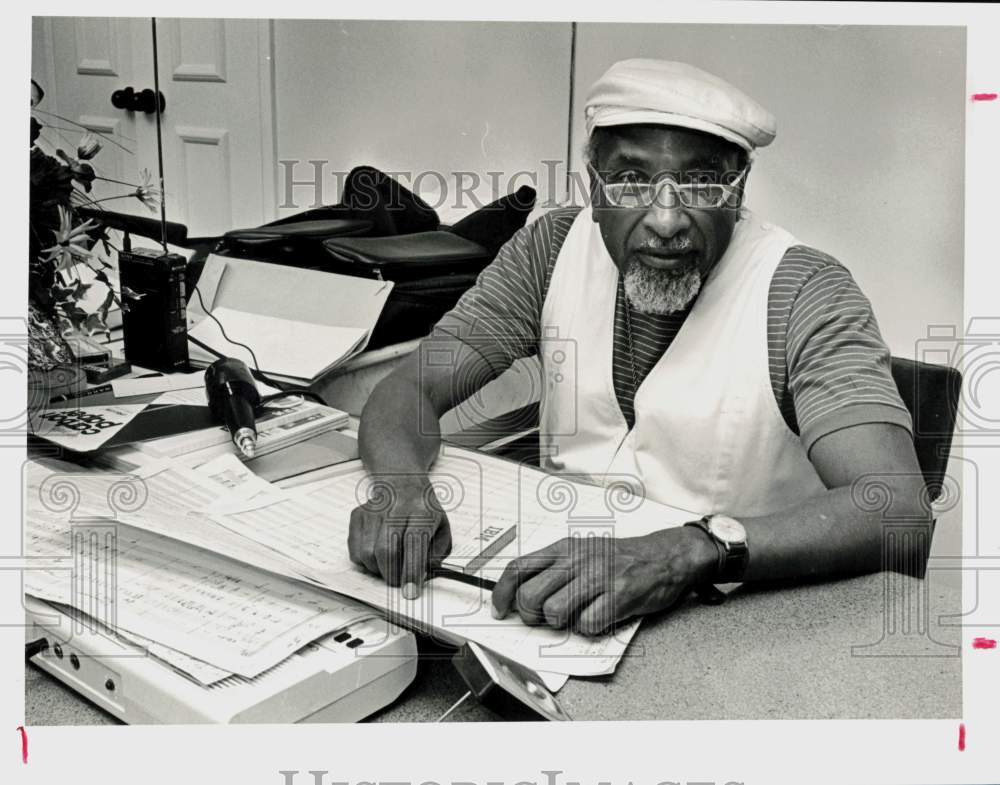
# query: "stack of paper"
{"points": [[205, 617], [302, 533]]}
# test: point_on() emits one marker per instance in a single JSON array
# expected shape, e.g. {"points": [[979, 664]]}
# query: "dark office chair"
{"points": [[929, 392]]}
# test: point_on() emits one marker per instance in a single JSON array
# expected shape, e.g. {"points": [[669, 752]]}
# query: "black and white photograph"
{"points": [[398, 369]]}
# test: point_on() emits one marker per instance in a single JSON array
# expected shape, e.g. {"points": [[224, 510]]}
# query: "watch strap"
{"points": [[733, 556], [737, 555]]}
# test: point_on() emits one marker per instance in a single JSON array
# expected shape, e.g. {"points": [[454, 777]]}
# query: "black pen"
{"points": [[462, 577]]}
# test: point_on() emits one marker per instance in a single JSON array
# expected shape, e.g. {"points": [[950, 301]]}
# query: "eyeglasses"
{"points": [[697, 196]]}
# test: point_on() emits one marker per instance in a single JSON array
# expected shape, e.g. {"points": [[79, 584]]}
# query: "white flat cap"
{"points": [[678, 94]]}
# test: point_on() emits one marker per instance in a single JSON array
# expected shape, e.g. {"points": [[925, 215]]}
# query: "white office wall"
{"points": [[421, 97], [868, 164]]}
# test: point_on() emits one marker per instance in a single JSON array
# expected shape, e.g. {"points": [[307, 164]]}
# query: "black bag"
{"points": [[430, 270], [373, 205], [383, 230]]}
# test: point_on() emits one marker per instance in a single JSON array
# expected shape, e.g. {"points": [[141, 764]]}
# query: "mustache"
{"points": [[667, 246]]}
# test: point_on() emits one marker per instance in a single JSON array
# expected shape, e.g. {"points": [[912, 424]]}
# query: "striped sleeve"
{"points": [[838, 366], [502, 311]]}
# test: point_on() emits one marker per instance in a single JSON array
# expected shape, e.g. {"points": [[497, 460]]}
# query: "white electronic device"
{"points": [[342, 677]]}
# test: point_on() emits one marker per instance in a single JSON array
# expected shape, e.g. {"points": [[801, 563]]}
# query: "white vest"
{"points": [[708, 434]]}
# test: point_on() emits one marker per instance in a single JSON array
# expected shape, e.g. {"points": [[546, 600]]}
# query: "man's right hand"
{"points": [[400, 532]]}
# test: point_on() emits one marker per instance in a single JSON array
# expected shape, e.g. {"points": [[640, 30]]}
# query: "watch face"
{"points": [[727, 529]]}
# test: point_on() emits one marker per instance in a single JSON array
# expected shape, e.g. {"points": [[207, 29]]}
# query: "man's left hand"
{"points": [[591, 583]]}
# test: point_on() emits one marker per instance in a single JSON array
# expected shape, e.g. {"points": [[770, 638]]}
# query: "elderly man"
{"points": [[724, 365]]}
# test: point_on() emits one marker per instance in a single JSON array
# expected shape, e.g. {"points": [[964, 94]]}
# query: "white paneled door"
{"points": [[218, 133], [80, 63], [217, 127]]}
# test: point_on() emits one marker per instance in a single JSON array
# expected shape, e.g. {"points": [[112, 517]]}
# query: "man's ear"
{"points": [[595, 191]]}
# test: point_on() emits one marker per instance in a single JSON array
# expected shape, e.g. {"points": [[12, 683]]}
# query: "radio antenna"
{"points": [[159, 143]]}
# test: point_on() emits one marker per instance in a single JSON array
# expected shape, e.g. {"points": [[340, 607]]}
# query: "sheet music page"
{"points": [[480, 494], [224, 613], [310, 525], [193, 668], [198, 670], [178, 500]]}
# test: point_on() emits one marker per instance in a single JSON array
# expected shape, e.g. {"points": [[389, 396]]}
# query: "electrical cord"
{"points": [[256, 372], [222, 329], [35, 647], [262, 377]]}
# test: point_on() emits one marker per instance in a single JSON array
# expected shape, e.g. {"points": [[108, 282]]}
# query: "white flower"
{"points": [[66, 249], [146, 192]]}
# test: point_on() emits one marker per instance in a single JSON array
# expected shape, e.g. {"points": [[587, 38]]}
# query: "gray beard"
{"points": [[660, 292]]}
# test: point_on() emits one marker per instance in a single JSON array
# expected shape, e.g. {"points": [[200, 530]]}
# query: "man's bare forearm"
{"points": [[836, 534], [400, 425], [400, 431]]}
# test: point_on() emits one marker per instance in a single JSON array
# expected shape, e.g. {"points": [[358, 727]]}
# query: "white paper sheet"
{"points": [[553, 681], [300, 350], [195, 396], [150, 385]]}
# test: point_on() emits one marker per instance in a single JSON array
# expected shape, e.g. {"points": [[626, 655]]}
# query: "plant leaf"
{"points": [[95, 323], [81, 288], [109, 300]]}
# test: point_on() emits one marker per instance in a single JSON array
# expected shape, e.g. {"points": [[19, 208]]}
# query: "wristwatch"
{"points": [[730, 538]]}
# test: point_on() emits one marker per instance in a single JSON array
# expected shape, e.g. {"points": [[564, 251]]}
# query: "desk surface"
{"points": [[765, 654]]}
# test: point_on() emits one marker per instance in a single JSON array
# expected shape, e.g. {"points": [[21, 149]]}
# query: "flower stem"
{"points": [[109, 198], [96, 133], [118, 182]]}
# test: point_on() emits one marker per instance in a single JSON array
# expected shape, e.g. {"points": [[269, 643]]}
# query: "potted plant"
{"points": [[72, 281]]}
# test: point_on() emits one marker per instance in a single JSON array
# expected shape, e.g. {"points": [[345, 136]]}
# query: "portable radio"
{"points": [[155, 324]]}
